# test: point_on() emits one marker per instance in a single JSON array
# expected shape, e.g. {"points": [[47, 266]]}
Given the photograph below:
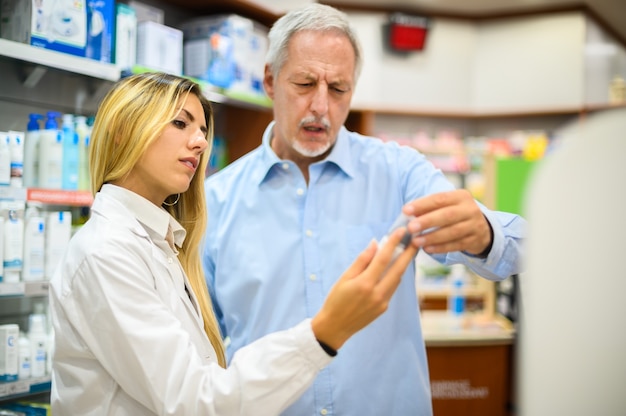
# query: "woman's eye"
{"points": [[179, 123]]}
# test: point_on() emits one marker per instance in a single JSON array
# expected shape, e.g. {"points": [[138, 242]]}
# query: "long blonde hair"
{"points": [[132, 116]]}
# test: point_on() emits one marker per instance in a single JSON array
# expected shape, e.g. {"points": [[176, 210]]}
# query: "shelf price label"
{"points": [[59, 197], [12, 388]]}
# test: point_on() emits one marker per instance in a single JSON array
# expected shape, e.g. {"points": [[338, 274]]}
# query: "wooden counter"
{"points": [[471, 366]]}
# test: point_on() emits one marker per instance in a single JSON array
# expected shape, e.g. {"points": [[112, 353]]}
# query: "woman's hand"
{"points": [[363, 292]]}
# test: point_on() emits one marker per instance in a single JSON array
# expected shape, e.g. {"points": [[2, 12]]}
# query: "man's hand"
{"points": [[452, 221]]}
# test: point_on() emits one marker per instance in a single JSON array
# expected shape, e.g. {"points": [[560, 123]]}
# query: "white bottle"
{"points": [[82, 130], [13, 247], [57, 237], [24, 370], [1, 249], [50, 342], [16, 140], [34, 248], [456, 300], [38, 344], [51, 154], [5, 159], [31, 151]]}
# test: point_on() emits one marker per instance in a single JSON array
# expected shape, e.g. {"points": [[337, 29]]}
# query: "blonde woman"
{"points": [[135, 332]]}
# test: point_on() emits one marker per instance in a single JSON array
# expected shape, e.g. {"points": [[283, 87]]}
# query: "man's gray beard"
{"points": [[304, 151]]}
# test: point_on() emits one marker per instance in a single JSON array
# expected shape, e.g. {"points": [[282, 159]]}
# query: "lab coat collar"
{"points": [[148, 214]]}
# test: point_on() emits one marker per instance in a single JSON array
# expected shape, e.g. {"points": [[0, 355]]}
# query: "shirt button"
{"points": [[309, 233], [312, 277], [169, 260], [285, 166], [323, 412], [300, 191]]}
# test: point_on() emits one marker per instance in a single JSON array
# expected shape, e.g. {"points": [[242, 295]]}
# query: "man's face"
{"points": [[311, 94]]}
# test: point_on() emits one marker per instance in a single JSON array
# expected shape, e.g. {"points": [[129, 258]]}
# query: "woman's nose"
{"points": [[199, 141]]}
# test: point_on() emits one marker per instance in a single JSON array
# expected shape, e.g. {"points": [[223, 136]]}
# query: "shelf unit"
{"points": [[14, 390]]}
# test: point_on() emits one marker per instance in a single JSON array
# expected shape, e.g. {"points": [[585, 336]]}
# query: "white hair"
{"points": [[314, 17]]}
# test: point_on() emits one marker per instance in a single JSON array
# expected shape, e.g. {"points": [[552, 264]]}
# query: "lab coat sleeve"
{"points": [[133, 333]]}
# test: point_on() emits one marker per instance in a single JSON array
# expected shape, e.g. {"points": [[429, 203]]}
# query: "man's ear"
{"points": [[268, 82]]}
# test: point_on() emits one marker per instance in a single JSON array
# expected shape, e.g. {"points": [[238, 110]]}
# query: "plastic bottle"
{"points": [[70, 154], [13, 247], [5, 159], [16, 140], [1, 249], [51, 154], [31, 151], [82, 130], [456, 300], [24, 370], [34, 247], [38, 344]]}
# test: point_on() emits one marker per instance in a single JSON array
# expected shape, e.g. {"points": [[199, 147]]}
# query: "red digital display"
{"points": [[407, 33], [407, 38]]}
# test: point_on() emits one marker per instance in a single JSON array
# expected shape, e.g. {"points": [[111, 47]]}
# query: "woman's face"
{"points": [[170, 162]]}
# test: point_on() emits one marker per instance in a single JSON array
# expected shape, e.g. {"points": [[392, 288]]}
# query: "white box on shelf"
{"points": [[125, 36], [147, 13], [59, 26], [9, 336], [160, 47]]}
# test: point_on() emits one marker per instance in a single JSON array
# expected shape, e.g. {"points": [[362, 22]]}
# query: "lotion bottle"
{"points": [[13, 247], [31, 151], [23, 371], [17, 158], [51, 154], [82, 130], [5, 159], [38, 344], [70, 154], [456, 300], [34, 246]]}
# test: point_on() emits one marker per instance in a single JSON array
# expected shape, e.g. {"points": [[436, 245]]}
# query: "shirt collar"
{"points": [[339, 154], [152, 217]]}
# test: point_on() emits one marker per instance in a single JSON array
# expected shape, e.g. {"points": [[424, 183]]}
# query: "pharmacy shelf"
{"points": [[222, 95], [12, 390], [58, 60], [28, 289]]}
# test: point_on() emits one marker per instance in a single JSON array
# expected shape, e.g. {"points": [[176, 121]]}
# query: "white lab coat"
{"points": [[129, 339]]}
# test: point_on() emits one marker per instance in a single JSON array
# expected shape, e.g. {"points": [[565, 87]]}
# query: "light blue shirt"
{"points": [[275, 246]]}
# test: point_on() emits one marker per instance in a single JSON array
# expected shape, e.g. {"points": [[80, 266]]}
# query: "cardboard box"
{"points": [[58, 25], [100, 30], [125, 36], [160, 47], [227, 51], [9, 336]]}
